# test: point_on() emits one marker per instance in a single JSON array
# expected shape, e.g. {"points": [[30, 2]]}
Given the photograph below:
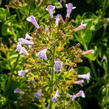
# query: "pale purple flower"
{"points": [[85, 76], [17, 90], [72, 69], [29, 46], [21, 49], [50, 9], [55, 98], [27, 36], [33, 21], [69, 9], [42, 54], [26, 42], [103, 58], [38, 94], [82, 26], [79, 94], [22, 72], [57, 65], [61, 1], [58, 18], [80, 82]]}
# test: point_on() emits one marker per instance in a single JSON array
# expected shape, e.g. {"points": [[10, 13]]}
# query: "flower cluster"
{"points": [[27, 41], [51, 58]]}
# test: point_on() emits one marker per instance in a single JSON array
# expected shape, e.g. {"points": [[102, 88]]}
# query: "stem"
{"points": [[99, 83], [91, 63], [52, 78], [10, 78]]}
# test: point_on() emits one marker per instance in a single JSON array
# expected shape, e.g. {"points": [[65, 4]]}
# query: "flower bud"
{"points": [[82, 26], [17, 90]]}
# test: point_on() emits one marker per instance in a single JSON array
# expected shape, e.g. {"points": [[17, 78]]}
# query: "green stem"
{"points": [[91, 63], [98, 83], [52, 78], [10, 78]]}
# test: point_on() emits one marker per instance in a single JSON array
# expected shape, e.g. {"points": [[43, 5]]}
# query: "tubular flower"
{"points": [[50, 9], [42, 54], [33, 21], [57, 65], [80, 82], [69, 9], [17, 90], [55, 97], [82, 26], [22, 72], [79, 94], [21, 49], [85, 76], [58, 18], [27, 36], [38, 94], [72, 69], [88, 52], [24, 41]]}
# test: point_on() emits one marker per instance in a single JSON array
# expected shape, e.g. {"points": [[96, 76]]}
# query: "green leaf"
{"points": [[83, 70], [58, 5]]}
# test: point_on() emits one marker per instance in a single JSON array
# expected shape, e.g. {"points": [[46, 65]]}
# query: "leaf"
{"points": [[88, 34], [83, 70], [58, 5], [78, 39]]}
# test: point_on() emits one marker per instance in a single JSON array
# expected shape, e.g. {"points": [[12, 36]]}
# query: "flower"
{"points": [[33, 21], [22, 72], [79, 94], [69, 9], [17, 90], [88, 52], [82, 26], [104, 58], [72, 69], [26, 42], [57, 65], [50, 9], [27, 36], [42, 54], [85, 76], [38, 94], [80, 82], [21, 49], [58, 18], [55, 97]]}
